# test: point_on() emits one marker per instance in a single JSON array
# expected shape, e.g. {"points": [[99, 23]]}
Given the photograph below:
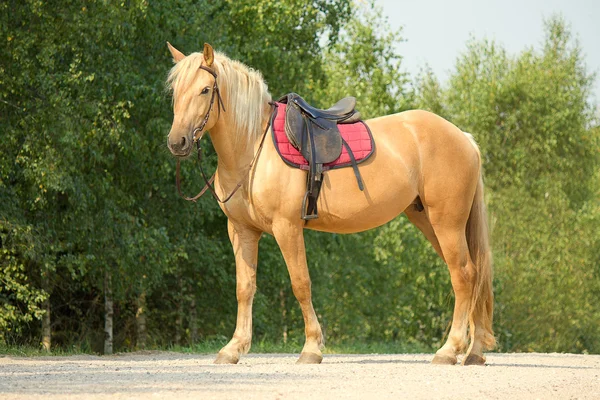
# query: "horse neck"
{"points": [[235, 152]]}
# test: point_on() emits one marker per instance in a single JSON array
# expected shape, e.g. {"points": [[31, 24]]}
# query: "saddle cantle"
{"points": [[315, 133]]}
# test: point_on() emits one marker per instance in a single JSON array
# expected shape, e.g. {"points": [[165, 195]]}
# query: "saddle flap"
{"points": [[327, 142], [325, 136]]}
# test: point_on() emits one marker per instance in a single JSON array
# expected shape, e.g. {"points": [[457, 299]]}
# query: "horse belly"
{"points": [[391, 178], [343, 208]]}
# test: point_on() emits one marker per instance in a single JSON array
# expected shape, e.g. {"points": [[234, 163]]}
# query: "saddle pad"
{"points": [[357, 135]]}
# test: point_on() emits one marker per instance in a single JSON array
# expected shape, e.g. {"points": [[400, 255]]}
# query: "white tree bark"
{"points": [[193, 320], [283, 315], [108, 314], [179, 322], [46, 321], [140, 319]]}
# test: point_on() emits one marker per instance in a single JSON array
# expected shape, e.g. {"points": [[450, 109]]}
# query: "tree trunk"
{"points": [[46, 321], [193, 319], [283, 315], [179, 322], [108, 314], [140, 319]]}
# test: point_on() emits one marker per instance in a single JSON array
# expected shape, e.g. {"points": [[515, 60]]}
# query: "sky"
{"points": [[436, 31]]}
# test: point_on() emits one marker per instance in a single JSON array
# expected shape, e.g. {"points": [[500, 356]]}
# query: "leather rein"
{"points": [[208, 185]]}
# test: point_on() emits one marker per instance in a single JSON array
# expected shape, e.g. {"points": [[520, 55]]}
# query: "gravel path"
{"points": [[163, 375]]}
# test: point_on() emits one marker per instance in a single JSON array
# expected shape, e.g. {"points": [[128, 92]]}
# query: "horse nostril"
{"points": [[178, 144]]}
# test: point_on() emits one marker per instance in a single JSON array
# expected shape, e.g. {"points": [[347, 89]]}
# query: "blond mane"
{"points": [[244, 91]]}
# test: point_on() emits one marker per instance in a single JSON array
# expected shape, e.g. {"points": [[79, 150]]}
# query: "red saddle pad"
{"points": [[357, 135]]}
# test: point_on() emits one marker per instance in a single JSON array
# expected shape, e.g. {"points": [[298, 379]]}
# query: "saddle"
{"points": [[314, 132]]}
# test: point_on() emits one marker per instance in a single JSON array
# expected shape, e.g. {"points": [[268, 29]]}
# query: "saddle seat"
{"points": [[315, 134], [343, 111]]}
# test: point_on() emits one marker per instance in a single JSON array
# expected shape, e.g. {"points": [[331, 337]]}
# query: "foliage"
{"points": [[85, 176], [536, 129], [86, 182], [364, 63], [547, 282], [530, 113], [388, 278], [19, 302]]}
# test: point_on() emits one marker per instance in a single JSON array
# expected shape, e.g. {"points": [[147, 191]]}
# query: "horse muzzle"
{"points": [[180, 147]]}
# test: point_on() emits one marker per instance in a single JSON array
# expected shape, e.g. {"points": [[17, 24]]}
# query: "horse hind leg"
{"points": [[449, 244], [458, 230], [417, 215], [453, 244]]}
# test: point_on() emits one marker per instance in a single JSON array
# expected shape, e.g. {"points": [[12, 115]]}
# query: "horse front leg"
{"points": [[290, 238], [245, 248]]}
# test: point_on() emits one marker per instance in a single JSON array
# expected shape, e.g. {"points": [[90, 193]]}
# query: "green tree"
{"points": [[532, 118], [85, 173], [387, 284], [363, 63]]}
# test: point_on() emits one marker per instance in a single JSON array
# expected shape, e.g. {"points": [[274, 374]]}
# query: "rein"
{"points": [[208, 185]]}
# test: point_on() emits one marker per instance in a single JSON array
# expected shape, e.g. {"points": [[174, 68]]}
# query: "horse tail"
{"points": [[481, 310]]}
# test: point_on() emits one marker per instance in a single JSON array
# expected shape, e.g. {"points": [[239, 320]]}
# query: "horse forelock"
{"points": [[243, 89]]}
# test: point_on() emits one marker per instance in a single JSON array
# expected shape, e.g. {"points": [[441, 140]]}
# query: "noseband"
{"points": [[208, 185]]}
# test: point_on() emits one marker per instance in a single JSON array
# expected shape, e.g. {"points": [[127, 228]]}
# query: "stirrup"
{"points": [[303, 214]]}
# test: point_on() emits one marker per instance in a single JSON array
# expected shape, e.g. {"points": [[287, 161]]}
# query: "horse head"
{"points": [[193, 81]]}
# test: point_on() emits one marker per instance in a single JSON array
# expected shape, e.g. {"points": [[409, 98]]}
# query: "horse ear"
{"points": [[177, 55], [209, 54]]}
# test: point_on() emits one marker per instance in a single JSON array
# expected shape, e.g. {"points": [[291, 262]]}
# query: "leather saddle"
{"points": [[315, 134]]}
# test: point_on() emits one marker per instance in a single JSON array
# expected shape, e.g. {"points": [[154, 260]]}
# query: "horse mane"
{"points": [[244, 91]]}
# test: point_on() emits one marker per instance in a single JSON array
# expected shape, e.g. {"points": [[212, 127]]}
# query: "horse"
{"points": [[422, 165]]}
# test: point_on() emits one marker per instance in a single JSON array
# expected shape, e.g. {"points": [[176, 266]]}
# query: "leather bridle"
{"points": [[212, 100], [199, 129]]}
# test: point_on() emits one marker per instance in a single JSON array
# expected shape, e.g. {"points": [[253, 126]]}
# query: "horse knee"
{"points": [[301, 289], [462, 279], [462, 271], [245, 292]]}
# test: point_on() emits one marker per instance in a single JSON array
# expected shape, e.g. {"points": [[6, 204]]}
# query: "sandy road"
{"points": [[275, 376]]}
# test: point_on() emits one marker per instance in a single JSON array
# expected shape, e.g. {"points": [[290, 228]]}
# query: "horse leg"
{"points": [[245, 247], [453, 243], [457, 339], [454, 247], [421, 221], [290, 238]]}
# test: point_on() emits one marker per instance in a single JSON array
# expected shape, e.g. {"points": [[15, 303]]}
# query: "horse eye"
{"points": [[204, 91]]}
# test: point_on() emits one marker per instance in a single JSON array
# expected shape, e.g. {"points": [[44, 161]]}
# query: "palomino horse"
{"points": [[420, 159]]}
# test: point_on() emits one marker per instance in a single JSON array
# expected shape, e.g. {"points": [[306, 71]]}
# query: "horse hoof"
{"points": [[309, 358], [474, 359], [224, 358], [443, 360]]}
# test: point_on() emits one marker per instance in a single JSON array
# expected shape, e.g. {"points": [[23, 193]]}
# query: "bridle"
{"points": [[212, 100], [199, 129]]}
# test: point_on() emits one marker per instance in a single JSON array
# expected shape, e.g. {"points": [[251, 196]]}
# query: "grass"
{"points": [[214, 345], [32, 351]]}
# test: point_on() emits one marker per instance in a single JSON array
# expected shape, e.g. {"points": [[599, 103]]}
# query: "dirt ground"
{"points": [[163, 375]]}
